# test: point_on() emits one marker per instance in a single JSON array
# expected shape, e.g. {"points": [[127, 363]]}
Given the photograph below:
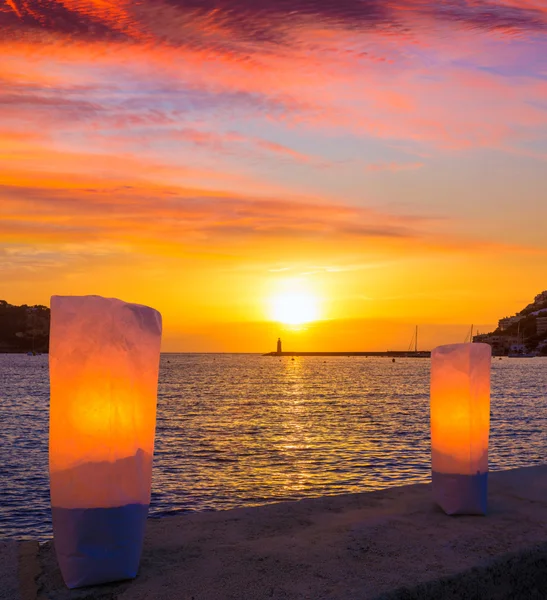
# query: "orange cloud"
{"points": [[13, 6], [129, 212]]}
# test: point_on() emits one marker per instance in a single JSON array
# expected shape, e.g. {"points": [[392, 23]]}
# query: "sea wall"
{"points": [[390, 544]]}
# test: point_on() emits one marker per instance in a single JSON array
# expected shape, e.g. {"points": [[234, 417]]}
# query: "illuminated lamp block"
{"points": [[460, 423], [104, 362]]}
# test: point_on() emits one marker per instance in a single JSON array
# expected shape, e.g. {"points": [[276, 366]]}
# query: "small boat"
{"points": [[413, 342], [469, 337]]}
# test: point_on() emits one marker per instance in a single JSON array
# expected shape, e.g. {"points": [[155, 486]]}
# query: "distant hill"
{"points": [[23, 328], [523, 333]]}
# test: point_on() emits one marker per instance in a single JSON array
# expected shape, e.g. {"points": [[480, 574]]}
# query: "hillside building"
{"points": [[541, 324], [501, 344], [541, 298], [505, 323]]}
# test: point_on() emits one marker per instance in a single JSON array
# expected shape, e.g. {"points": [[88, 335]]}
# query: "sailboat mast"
{"points": [[416, 343]]}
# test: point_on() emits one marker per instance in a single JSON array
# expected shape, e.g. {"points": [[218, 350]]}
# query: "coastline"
{"points": [[391, 544], [37, 352]]}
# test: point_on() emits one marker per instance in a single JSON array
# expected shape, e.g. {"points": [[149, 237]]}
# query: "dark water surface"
{"points": [[237, 430]]}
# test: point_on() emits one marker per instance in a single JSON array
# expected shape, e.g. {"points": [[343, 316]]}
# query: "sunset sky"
{"points": [[376, 163]]}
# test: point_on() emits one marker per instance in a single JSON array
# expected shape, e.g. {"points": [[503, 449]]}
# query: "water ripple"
{"points": [[242, 430]]}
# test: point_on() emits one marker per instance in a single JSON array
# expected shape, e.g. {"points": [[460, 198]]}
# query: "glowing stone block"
{"points": [[104, 362], [460, 424]]}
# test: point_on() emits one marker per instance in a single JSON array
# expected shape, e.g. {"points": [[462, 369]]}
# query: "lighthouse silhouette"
{"points": [[279, 346]]}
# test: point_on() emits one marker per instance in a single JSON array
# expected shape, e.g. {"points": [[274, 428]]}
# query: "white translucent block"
{"points": [[460, 425], [104, 362]]}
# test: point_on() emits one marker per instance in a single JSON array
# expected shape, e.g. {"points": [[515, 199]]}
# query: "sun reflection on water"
{"points": [[240, 430]]}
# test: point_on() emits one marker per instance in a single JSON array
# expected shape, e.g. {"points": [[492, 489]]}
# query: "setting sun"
{"points": [[295, 308]]}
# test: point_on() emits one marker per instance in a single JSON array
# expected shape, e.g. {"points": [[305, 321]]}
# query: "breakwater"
{"points": [[388, 353]]}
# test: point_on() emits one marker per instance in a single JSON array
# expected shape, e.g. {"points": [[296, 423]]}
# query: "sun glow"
{"points": [[295, 308]]}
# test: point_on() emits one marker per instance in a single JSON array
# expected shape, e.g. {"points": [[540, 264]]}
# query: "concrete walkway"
{"points": [[19, 570], [9, 576], [388, 544]]}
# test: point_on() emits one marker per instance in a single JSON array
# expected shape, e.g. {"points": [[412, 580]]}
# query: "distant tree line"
{"points": [[24, 328]]}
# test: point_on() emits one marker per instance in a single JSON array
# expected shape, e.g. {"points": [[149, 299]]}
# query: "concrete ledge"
{"points": [[521, 576], [391, 544], [9, 572], [19, 569], [29, 570]]}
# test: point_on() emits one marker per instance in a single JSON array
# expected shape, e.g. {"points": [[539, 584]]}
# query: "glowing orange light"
{"points": [[104, 359], [460, 422]]}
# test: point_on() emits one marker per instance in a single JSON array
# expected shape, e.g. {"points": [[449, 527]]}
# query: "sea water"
{"points": [[241, 430]]}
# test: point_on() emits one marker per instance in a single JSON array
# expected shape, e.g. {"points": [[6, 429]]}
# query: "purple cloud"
{"points": [[263, 22]]}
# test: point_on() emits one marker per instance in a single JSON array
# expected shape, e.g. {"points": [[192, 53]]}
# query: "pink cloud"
{"points": [[326, 82], [392, 166]]}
